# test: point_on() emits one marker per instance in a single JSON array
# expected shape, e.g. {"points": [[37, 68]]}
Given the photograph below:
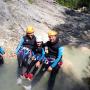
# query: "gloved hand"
{"points": [[49, 68], [60, 64], [38, 64], [33, 58]]}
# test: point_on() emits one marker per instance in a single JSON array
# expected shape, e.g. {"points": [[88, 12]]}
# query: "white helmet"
{"points": [[39, 39]]}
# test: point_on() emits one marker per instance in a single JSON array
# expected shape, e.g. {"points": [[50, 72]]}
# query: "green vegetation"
{"points": [[74, 4], [30, 1]]}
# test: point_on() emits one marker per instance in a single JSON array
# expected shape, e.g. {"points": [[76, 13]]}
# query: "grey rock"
{"points": [[43, 15]]}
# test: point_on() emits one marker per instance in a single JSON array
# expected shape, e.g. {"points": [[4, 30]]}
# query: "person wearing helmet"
{"points": [[52, 61], [38, 56], [24, 50], [2, 52], [54, 54], [55, 50]]}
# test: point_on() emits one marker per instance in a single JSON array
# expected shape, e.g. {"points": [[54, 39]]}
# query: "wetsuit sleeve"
{"points": [[43, 54], [33, 53], [19, 45], [60, 53], [2, 51]]}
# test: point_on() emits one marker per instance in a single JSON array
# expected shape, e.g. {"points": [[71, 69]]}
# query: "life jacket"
{"points": [[38, 50], [29, 43], [25, 52], [53, 48]]}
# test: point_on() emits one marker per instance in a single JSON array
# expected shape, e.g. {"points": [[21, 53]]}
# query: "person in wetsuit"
{"points": [[24, 51], [2, 52], [38, 55], [51, 62]]}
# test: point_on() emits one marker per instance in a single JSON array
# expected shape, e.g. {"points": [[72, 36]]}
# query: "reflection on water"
{"points": [[8, 77], [69, 77]]}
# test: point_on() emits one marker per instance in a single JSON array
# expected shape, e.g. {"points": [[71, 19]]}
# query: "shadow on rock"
{"points": [[75, 30]]}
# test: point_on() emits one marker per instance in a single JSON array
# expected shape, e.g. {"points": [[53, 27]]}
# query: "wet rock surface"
{"points": [[43, 15], [16, 15]]}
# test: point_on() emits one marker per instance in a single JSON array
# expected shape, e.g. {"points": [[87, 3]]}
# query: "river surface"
{"points": [[75, 61]]}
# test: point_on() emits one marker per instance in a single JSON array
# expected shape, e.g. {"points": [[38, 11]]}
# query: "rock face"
{"points": [[43, 15], [76, 28], [16, 15]]}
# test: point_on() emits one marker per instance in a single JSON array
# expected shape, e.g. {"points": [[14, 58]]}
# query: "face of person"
{"points": [[52, 38], [30, 34], [39, 44]]}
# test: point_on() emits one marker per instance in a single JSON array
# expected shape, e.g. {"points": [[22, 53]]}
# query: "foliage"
{"points": [[74, 4]]}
